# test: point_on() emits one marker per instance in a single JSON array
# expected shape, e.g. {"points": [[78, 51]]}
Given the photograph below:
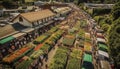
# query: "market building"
{"points": [[25, 28]]}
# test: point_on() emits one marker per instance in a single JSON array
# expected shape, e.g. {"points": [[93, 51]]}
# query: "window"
{"points": [[40, 22], [20, 19]]}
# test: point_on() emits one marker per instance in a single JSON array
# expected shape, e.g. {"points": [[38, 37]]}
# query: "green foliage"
{"points": [[116, 10], [25, 64], [111, 26], [105, 27], [9, 4], [114, 41], [74, 61], [41, 39], [60, 59], [36, 54], [101, 11], [68, 40]]}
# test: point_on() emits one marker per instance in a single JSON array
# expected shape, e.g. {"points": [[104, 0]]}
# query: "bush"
{"points": [[105, 27], [101, 11]]}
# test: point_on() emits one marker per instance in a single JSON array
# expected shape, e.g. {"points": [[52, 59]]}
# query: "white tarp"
{"points": [[28, 30], [18, 35], [101, 40], [103, 53]]}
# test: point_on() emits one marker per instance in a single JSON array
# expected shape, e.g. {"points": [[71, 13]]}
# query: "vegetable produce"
{"points": [[19, 53], [60, 59], [74, 60], [36, 54]]}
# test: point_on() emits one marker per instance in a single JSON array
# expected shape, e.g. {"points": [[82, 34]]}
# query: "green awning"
{"points": [[102, 47], [5, 40], [87, 58]]}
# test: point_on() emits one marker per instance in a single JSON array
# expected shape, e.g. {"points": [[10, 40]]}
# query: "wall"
{"points": [[25, 22]]}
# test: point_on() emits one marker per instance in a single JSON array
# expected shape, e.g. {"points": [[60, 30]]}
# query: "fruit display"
{"points": [[38, 47], [68, 40], [45, 47], [36, 54], [42, 38], [14, 56], [87, 46], [81, 43], [60, 59], [77, 25], [81, 34], [73, 64], [87, 37], [54, 29], [25, 64], [54, 37], [74, 59]]}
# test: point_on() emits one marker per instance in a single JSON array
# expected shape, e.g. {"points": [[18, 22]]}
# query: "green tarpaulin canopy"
{"points": [[87, 62], [103, 47], [87, 58], [5, 40]]}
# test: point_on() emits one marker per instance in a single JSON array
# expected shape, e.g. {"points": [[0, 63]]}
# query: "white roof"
{"points": [[18, 35], [28, 30], [101, 40], [103, 53], [63, 9]]}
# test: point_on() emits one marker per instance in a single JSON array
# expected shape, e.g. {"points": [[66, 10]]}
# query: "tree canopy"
{"points": [[114, 35]]}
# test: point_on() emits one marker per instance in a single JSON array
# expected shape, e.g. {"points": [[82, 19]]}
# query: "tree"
{"points": [[9, 4], [115, 11], [105, 27], [114, 42]]}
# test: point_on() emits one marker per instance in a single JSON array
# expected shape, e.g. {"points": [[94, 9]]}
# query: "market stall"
{"points": [[102, 54], [87, 62]]}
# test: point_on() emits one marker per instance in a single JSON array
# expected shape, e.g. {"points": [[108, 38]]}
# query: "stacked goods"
{"points": [[17, 54], [75, 59], [60, 59], [68, 40], [36, 54]]}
